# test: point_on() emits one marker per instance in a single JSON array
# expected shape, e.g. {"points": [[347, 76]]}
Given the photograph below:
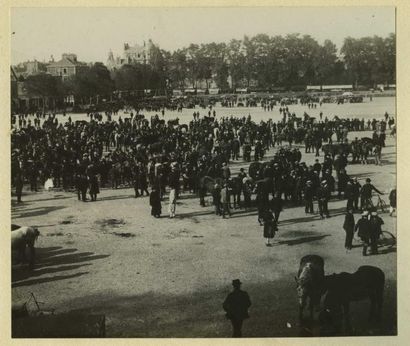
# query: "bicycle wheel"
{"points": [[387, 239]]}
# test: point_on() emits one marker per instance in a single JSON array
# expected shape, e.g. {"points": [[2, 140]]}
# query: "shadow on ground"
{"points": [[274, 313], [17, 214], [53, 260]]}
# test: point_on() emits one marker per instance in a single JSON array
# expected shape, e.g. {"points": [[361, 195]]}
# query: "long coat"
{"points": [[348, 224], [236, 305], [364, 229], [155, 203], [269, 226]]}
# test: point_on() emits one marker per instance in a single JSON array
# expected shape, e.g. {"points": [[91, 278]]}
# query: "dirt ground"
{"points": [[168, 277], [367, 110]]}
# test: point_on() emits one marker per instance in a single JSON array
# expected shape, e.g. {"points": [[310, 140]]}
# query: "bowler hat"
{"points": [[236, 283]]}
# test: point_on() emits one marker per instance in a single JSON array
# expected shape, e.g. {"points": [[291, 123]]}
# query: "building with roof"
{"points": [[29, 68], [137, 54], [66, 67]]}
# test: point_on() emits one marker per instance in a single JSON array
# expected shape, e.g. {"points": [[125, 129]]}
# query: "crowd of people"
{"points": [[160, 158], [108, 151]]}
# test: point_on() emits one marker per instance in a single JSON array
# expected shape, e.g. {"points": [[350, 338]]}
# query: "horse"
{"points": [[23, 237], [207, 185], [343, 288], [236, 186], [309, 282]]}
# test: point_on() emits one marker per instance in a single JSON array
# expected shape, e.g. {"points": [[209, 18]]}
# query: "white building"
{"points": [[137, 54]]}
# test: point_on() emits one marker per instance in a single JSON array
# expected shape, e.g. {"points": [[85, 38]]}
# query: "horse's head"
{"points": [[36, 233], [303, 282], [301, 289]]}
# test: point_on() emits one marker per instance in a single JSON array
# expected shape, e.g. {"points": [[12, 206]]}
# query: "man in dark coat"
{"points": [[393, 203], [366, 195], [308, 195], [142, 182], [348, 226], [155, 202], [317, 167], [19, 182], [276, 206], [364, 229], [349, 194], [323, 195], [236, 306], [342, 182]]}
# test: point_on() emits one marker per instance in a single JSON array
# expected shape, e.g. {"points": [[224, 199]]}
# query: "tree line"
{"points": [[261, 62]]}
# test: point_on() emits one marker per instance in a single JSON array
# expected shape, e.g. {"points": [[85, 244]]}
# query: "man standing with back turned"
{"points": [[236, 306]]}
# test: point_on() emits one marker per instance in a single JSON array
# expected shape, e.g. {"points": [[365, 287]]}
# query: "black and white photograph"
{"points": [[203, 172]]}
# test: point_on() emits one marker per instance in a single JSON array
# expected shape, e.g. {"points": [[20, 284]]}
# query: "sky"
{"points": [[92, 32]]}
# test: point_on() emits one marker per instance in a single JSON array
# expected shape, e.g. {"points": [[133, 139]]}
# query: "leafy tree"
{"points": [[327, 59], [44, 86]]}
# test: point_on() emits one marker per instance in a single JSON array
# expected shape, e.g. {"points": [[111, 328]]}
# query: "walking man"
{"points": [[348, 226], [269, 227], [364, 229], [236, 306]]}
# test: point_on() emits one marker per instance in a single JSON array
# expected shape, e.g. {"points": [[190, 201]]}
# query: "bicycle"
{"points": [[387, 239], [381, 204]]}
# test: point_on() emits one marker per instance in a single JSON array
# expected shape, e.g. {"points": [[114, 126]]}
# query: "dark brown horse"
{"points": [[310, 281], [366, 283]]}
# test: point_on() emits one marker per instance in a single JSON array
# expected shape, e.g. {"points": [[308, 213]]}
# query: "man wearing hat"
{"points": [[366, 195], [348, 226], [364, 230], [236, 306], [323, 195], [349, 194], [308, 193]]}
